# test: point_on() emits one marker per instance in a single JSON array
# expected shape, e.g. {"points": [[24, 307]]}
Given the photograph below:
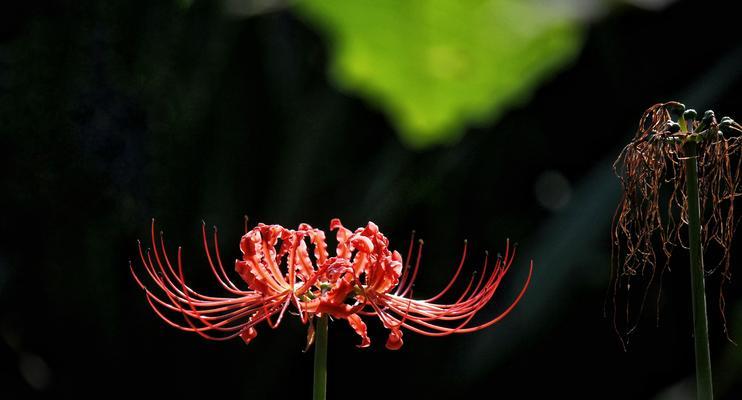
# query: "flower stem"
{"points": [[320, 358], [700, 321]]}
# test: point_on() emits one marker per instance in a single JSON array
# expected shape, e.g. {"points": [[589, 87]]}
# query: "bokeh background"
{"points": [[479, 120]]}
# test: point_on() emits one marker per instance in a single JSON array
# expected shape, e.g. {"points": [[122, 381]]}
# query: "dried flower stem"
{"points": [[320, 358], [675, 175], [704, 387], [653, 214]]}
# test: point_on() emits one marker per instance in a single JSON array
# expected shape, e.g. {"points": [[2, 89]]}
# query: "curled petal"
{"points": [[360, 327], [362, 243], [246, 273], [343, 287], [317, 237], [302, 262], [343, 236], [371, 229]]}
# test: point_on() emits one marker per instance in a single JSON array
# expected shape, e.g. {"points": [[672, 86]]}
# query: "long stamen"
{"points": [[456, 275], [226, 283], [414, 272], [406, 272]]}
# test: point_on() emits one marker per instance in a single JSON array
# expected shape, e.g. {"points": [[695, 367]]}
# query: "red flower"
{"points": [[363, 279]]}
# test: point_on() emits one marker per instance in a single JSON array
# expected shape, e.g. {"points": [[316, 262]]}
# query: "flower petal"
{"points": [[394, 342], [360, 327], [343, 236], [248, 334]]}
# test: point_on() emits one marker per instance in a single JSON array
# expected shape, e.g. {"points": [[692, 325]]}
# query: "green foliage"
{"points": [[436, 65]]}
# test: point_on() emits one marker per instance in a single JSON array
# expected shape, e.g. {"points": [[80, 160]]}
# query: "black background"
{"points": [[112, 113]]}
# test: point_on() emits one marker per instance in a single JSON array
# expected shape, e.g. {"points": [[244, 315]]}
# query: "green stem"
{"points": [[320, 358], [700, 321]]}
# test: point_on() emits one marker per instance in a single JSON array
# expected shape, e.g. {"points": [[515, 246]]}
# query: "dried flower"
{"points": [[292, 268], [653, 212]]}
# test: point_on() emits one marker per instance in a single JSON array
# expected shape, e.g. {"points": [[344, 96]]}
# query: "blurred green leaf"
{"points": [[435, 66]]}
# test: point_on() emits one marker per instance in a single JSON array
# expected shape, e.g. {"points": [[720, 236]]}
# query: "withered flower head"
{"points": [[285, 268], [653, 212]]}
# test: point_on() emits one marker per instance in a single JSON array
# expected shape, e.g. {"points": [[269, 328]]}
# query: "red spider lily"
{"points": [[364, 278]]}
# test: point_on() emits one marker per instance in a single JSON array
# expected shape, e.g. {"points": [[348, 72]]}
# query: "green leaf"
{"points": [[435, 66]]}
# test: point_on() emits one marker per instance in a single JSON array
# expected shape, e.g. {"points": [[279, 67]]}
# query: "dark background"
{"points": [[114, 113]]}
